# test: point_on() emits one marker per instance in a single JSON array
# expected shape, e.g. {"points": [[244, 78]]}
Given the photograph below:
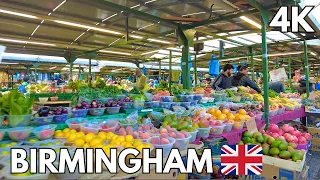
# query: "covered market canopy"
{"points": [[131, 33]]}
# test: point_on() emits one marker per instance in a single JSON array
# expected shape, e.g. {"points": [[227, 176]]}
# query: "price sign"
{"points": [[251, 125], [278, 75]]}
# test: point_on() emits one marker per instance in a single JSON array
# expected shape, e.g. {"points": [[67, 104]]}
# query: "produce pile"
{"points": [[279, 142], [14, 103]]}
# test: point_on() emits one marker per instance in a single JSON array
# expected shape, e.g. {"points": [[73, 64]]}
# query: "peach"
{"points": [[145, 127], [164, 141], [172, 134], [122, 133], [163, 135], [180, 136], [184, 132], [162, 130], [154, 130], [140, 128], [135, 134], [155, 140], [167, 127], [129, 128]]}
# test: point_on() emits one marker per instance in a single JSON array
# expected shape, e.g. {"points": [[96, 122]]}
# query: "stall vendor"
{"points": [[142, 82], [241, 79]]}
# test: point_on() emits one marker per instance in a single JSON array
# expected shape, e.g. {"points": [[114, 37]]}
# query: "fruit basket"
{"points": [[113, 110], [165, 144], [203, 132], [44, 132], [40, 121], [157, 116], [19, 120], [228, 127], [183, 142], [19, 133], [96, 111], [138, 104], [90, 128], [193, 135], [238, 125], [74, 123], [109, 126], [127, 105], [80, 113], [217, 130], [60, 119]]}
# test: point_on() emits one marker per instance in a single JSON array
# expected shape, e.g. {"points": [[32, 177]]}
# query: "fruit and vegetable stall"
{"points": [[202, 118]]}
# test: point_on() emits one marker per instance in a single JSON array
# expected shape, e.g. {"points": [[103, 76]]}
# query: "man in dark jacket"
{"points": [[223, 81], [241, 79]]}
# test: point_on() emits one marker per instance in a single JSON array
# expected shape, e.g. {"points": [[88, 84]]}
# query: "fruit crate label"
{"points": [[251, 125]]}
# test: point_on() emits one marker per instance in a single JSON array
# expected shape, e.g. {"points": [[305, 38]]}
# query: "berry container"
{"points": [[182, 143], [166, 148], [74, 123], [88, 127], [45, 132], [138, 104], [96, 111], [112, 126], [217, 130], [127, 105], [203, 132], [19, 133]]}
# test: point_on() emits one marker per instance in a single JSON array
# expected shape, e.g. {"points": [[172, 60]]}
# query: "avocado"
{"points": [[285, 154], [247, 134], [283, 146], [265, 148], [276, 143], [274, 151], [246, 140], [259, 139], [255, 134]]}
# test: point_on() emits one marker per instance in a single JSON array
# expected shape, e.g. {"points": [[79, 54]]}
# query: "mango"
{"points": [[283, 146], [246, 140], [285, 154], [293, 145], [247, 134], [265, 148], [297, 156], [259, 139], [255, 134], [274, 151], [276, 143], [270, 140]]}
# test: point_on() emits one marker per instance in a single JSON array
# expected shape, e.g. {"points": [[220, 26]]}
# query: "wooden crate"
{"points": [[289, 165], [315, 132]]}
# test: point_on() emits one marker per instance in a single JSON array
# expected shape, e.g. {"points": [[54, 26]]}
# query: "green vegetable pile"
{"points": [[176, 89], [230, 93], [14, 103], [138, 97], [112, 91], [136, 90], [74, 85], [272, 94], [163, 85]]}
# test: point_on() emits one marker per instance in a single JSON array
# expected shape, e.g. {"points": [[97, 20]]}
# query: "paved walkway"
{"points": [[313, 159]]}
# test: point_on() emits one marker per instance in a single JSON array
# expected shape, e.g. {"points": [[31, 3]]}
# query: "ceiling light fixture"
{"points": [[250, 21], [159, 41], [109, 17], [115, 52], [135, 36], [35, 30], [149, 52], [150, 1], [146, 26], [59, 5], [312, 53], [23, 42], [18, 14], [135, 6], [53, 67], [87, 27], [79, 36]]}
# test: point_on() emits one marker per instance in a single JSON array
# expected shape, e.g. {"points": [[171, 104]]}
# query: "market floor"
{"points": [[313, 159]]}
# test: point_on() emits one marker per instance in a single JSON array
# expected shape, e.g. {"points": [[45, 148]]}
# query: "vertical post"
{"points": [[185, 67], [221, 49], [127, 27], [159, 71], [170, 71], [36, 65], [91, 55], [79, 72], [265, 70], [290, 73], [195, 70], [90, 75], [251, 62], [71, 66], [306, 66]]}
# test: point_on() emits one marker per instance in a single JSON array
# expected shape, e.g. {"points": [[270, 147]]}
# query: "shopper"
{"points": [[223, 81], [241, 79], [277, 86], [303, 85], [142, 82]]}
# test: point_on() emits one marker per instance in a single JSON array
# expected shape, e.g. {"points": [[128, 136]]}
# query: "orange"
{"points": [[221, 117], [242, 112], [241, 117], [217, 112], [211, 111], [225, 111], [214, 117]]}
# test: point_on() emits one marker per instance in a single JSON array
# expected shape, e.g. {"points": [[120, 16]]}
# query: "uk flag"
{"points": [[241, 159]]}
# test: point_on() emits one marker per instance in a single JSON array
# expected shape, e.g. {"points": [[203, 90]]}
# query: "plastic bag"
{"points": [[179, 109], [133, 117], [148, 96], [146, 121], [167, 112]]}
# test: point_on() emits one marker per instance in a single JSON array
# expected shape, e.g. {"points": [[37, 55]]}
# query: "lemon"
{"points": [[73, 131], [96, 141], [128, 145], [89, 137], [121, 139], [72, 137], [129, 138], [108, 146], [82, 133], [98, 146], [110, 134], [123, 143], [102, 135], [115, 142], [86, 145], [147, 145], [57, 131], [66, 134], [59, 135], [78, 135], [136, 142], [140, 147], [114, 137], [66, 130], [79, 142]]}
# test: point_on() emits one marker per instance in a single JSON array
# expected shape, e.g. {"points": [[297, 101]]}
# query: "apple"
{"points": [[5, 152], [33, 140]]}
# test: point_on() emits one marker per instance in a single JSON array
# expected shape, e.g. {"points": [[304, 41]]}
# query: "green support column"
{"points": [[70, 59], [28, 69], [79, 72], [221, 49], [159, 71], [185, 58], [252, 62], [170, 71], [264, 23], [91, 55], [306, 66], [36, 65], [290, 73], [195, 70]]}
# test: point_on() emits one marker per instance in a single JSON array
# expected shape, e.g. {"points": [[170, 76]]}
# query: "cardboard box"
{"points": [[273, 172], [315, 132], [290, 165]]}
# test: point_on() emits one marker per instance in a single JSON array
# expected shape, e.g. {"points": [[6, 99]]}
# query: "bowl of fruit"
{"points": [[74, 123], [19, 133], [90, 128], [182, 140], [165, 144], [19, 120], [126, 103], [44, 132], [126, 122], [2, 132], [80, 110], [60, 115], [138, 104], [228, 126], [43, 117], [109, 126], [217, 128], [96, 108], [112, 107]]}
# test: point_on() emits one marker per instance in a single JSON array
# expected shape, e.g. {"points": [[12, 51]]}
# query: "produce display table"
{"points": [[128, 111], [234, 136], [107, 117]]}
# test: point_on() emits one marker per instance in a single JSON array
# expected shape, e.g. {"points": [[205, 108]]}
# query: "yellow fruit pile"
{"points": [[91, 140], [225, 114], [241, 116]]}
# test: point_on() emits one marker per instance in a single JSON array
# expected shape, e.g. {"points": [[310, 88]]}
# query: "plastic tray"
{"points": [[76, 125], [60, 119], [166, 147], [113, 110], [166, 98], [80, 113], [19, 121], [217, 130], [44, 132], [40, 121], [203, 132], [88, 127], [19, 133], [182, 143], [96, 111]]}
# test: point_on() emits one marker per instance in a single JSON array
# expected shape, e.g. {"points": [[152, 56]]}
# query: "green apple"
{"points": [[5, 152], [33, 140], [13, 143], [57, 143], [23, 174], [42, 144], [49, 144]]}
